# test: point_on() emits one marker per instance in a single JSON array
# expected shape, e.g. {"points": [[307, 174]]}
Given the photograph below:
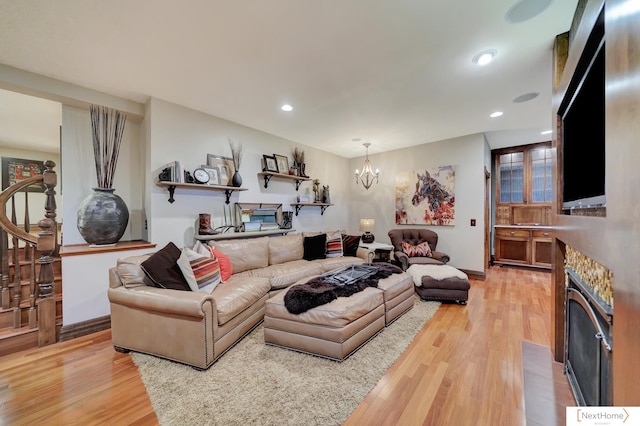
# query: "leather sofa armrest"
{"points": [[442, 257], [402, 258], [366, 254], [175, 302]]}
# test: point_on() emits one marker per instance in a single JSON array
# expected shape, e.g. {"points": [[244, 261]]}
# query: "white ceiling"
{"points": [[394, 73]]}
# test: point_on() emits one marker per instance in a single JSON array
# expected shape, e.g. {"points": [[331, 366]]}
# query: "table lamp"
{"points": [[366, 226]]}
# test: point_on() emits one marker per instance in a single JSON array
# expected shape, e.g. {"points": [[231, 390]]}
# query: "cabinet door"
{"points": [[541, 246], [512, 246], [511, 168], [541, 169]]}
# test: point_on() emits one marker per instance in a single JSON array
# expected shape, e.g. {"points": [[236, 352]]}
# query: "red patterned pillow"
{"points": [[421, 250], [201, 272]]}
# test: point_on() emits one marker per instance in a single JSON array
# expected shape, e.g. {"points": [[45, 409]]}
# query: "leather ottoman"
{"points": [[440, 282], [398, 295], [334, 330]]}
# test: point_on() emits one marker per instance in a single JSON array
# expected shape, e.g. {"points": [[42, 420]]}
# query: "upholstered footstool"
{"points": [[440, 282], [334, 330], [398, 295]]}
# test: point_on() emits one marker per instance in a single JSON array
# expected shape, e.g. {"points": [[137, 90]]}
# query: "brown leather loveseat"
{"points": [[416, 236]]}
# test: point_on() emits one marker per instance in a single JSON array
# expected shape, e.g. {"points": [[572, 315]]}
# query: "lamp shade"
{"points": [[367, 225]]}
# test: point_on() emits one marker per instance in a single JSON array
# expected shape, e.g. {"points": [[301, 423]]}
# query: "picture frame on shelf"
{"points": [[214, 177], [270, 164], [15, 170], [224, 166], [282, 162]]}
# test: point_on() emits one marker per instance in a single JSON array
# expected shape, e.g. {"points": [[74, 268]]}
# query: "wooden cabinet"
{"points": [[541, 246], [523, 246], [525, 174], [512, 246]]}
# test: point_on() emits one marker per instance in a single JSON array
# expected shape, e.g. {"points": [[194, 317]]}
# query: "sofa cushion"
{"points": [[245, 254], [130, 272], [238, 294], [285, 248], [331, 263], [350, 244], [334, 244], [201, 272], [163, 270], [419, 250], [226, 269], [315, 247], [282, 275]]}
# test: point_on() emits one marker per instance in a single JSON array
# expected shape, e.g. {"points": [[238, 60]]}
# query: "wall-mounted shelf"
{"points": [[323, 206], [171, 186], [238, 235], [268, 175]]}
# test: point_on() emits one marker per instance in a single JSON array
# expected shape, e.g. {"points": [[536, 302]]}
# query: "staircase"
{"points": [[30, 268], [14, 339]]}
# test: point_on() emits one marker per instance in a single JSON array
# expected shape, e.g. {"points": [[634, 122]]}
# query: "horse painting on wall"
{"points": [[426, 197]]}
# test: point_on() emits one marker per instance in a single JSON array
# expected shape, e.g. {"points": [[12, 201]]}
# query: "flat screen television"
{"points": [[583, 128]]}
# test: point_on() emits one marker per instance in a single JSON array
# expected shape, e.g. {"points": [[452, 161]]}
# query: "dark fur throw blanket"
{"points": [[317, 291]]}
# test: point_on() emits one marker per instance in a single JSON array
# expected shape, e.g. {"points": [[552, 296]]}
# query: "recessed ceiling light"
{"points": [[546, 132], [524, 10], [286, 107], [484, 57], [526, 97], [496, 114]]}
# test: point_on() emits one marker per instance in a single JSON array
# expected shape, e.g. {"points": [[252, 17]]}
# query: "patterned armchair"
{"points": [[415, 251]]}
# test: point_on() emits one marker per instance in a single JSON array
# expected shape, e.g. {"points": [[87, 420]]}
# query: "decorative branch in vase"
{"points": [[236, 156], [298, 159], [103, 216]]}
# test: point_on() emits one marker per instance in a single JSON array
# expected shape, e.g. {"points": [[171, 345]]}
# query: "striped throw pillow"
{"points": [[334, 244], [201, 272], [420, 250]]}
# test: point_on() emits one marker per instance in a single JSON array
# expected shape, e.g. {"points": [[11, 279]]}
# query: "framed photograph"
{"points": [[270, 164], [214, 178], [15, 170], [224, 166], [283, 163]]}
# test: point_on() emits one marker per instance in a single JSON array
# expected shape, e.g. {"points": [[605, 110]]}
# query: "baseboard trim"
{"points": [[68, 332], [476, 275]]}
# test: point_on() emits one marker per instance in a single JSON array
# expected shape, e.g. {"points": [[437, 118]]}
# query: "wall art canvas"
{"points": [[426, 197], [16, 170]]}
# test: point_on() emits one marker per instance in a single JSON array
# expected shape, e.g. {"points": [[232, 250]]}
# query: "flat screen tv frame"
{"points": [[583, 128]]}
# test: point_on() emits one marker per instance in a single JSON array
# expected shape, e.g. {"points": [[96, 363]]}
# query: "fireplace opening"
{"points": [[588, 343]]}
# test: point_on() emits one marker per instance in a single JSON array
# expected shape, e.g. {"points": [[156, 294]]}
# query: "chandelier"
{"points": [[367, 176]]}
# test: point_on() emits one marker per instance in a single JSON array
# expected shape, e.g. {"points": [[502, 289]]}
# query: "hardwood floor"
{"points": [[464, 368]]}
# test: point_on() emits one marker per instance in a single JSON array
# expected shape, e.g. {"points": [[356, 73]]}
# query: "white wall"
{"points": [[79, 172], [85, 283], [179, 133], [464, 243]]}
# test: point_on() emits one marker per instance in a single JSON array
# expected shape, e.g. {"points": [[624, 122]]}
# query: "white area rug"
{"points": [[264, 385]]}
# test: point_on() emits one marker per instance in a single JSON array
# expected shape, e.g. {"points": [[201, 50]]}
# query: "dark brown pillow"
{"points": [[350, 244], [163, 271], [315, 247]]}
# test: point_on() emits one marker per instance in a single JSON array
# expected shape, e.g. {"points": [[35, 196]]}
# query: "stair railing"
{"points": [[42, 303]]}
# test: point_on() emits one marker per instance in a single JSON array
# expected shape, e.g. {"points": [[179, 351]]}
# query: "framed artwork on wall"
{"points": [[270, 164], [282, 162], [426, 197], [16, 170], [224, 167]]}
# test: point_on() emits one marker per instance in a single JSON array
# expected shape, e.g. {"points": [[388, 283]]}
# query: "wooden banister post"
{"points": [[47, 245]]}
